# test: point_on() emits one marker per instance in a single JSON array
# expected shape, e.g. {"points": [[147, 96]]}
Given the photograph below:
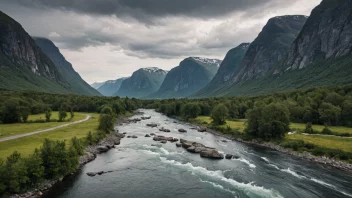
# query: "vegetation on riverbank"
{"points": [[327, 111], [25, 162]]}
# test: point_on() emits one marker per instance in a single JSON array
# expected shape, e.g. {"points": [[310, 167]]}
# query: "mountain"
{"points": [[142, 82], [226, 71], [23, 65], [190, 76], [96, 85], [319, 56], [326, 35], [110, 87], [65, 69], [270, 47]]}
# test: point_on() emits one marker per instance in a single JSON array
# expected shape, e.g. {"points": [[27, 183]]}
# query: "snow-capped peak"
{"points": [[154, 70], [208, 60]]}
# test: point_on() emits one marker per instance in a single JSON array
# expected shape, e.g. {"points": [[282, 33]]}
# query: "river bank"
{"points": [[303, 155], [91, 153]]}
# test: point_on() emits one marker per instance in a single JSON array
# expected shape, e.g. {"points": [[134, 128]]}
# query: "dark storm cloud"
{"points": [[145, 10]]}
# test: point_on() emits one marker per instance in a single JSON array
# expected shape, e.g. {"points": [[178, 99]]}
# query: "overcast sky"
{"points": [[108, 39]]}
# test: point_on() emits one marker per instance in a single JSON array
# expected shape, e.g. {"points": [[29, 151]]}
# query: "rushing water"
{"points": [[142, 170]]}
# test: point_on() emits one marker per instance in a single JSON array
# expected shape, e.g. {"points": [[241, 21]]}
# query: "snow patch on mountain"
{"points": [[154, 70], [208, 61]]}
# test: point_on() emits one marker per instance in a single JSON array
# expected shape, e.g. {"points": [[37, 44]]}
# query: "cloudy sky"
{"points": [[108, 39]]}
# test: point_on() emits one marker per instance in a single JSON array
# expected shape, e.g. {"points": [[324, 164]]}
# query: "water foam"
{"points": [[273, 165], [248, 188], [219, 186], [265, 159], [246, 162], [288, 170], [166, 152]]}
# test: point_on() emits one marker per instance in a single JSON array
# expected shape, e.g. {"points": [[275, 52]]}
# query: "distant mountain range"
{"points": [[142, 83], [291, 52], [110, 87], [190, 76]]}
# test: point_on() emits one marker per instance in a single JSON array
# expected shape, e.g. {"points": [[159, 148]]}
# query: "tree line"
{"points": [[15, 106], [266, 114]]}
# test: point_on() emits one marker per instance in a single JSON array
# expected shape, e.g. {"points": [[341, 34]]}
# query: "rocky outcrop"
{"points": [[326, 35], [23, 65], [269, 47], [204, 151]]}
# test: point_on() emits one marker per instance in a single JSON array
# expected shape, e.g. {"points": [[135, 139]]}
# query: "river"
{"points": [[142, 170]]}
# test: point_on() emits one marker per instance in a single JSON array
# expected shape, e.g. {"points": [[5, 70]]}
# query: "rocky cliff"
{"points": [[269, 47], [76, 83], [189, 77], [142, 82], [327, 34], [110, 87], [22, 63]]}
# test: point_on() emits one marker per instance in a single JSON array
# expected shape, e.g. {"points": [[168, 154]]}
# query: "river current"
{"points": [[144, 168]]}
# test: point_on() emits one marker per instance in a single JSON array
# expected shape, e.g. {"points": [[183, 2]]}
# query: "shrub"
{"points": [[326, 131]]}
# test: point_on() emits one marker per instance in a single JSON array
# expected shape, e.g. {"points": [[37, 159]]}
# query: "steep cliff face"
{"points": [[142, 82], [319, 56], [76, 83], [269, 47], [96, 85], [110, 87], [189, 77], [226, 71], [23, 64], [327, 34]]}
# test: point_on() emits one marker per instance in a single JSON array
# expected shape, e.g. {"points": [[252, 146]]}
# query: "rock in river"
{"points": [[182, 131], [211, 153], [178, 144], [147, 135], [228, 156]]}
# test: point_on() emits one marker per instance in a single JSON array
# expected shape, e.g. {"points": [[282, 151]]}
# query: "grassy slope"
{"points": [[20, 128], [26, 145]]}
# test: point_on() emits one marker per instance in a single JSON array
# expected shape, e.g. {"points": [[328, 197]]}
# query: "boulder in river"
{"points": [[153, 134], [163, 141], [129, 136], [152, 125], [134, 136], [202, 129], [146, 118], [159, 138], [147, 135], [228, 156], [178, 144], [182, 131], [164, 130], [211, 153]]}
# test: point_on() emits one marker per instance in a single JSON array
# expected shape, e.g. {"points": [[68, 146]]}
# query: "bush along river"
{"points": [[143, 167]]}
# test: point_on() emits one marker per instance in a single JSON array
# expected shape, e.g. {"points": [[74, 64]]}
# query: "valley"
{"points": [[140, 99]]}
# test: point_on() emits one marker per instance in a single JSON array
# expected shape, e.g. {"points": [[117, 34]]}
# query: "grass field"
{"points": [[20, 128], [238, 125], [344, 144], [26, 145], [336, 129]]}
